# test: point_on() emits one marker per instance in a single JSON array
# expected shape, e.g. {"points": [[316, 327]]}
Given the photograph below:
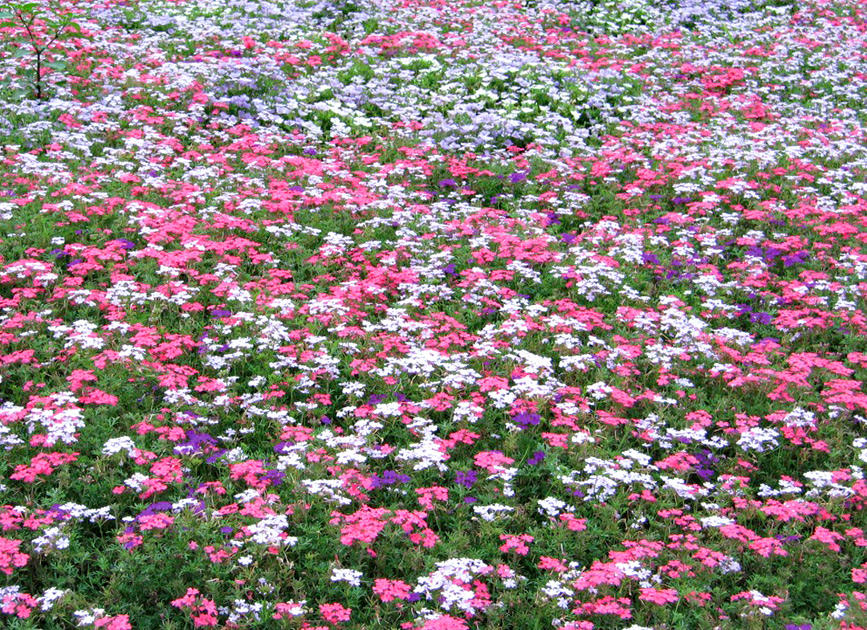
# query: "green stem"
{"points": [[39, 75]]}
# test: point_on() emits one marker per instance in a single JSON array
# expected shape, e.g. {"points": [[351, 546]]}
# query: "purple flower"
{"points": [[537, 458], [706, 457], [57, 512], [389, 478], [213, 458], [760, 318], [517, 177], [798, 258], [153, 508], [194, 443], [466, 479], [649, 258], [274, 476], [220, 313], [447, 182], [704, 473], [771, 253], [526, 419]]}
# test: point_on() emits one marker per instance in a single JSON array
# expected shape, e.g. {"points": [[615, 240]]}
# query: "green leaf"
{"points": [[6, 15], [22, 52], [56, 65]]}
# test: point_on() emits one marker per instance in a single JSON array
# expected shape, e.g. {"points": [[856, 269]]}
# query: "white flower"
{"points": [[50, 597], [350, 576], [758, 439], [715, 521], [52, 538], [116, 445], [490, 512], [550, 506]]}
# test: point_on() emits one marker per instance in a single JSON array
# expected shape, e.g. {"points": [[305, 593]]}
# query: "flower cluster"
{"points": [[435, 314]]}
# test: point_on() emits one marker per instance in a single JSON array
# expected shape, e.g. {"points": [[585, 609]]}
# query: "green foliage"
{"points": [[38, 27]]}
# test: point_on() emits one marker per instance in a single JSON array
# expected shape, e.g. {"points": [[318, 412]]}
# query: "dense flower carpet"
{"points": [[433, 314]]}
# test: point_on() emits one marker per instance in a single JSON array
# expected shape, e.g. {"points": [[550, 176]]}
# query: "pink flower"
{"points": [[117, 622], [515, 543], [334, 613], [156, 521], [41, 464], [288, 609], [827, 537], [203, 611], [572, 523], [659, 596], [547, 563], [492, 461], [427, 496], [389, 590], [446, 622], [10, 556], [19, 604]]}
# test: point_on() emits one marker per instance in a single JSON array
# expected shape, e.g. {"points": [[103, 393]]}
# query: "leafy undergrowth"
{"points": [[427, 314]]}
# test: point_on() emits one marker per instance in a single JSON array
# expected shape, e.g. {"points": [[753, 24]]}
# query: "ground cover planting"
{"points": [[433, 314]]}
